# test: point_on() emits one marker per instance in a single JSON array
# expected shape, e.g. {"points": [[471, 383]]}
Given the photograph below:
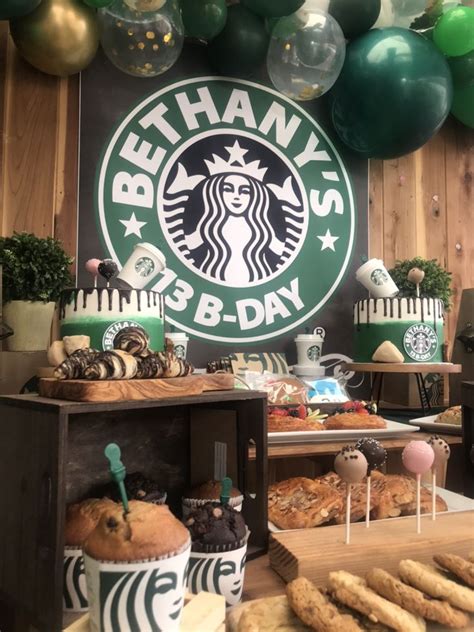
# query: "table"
{"points": [[415, 368]]}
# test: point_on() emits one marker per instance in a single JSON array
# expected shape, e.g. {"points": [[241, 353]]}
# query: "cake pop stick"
{"points": [[376, 456], [92, 266], [416, 276], [418, 457], [108, 269], [117, 471], [351, 465], [442, 452]]}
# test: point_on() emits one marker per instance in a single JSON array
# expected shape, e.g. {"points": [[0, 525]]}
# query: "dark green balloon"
{"points": [[463, 104], [11, 9], [273, 8], [203, 19], [98, 4], [354, 16], [394, 93], [242, 45], [462, 69]]}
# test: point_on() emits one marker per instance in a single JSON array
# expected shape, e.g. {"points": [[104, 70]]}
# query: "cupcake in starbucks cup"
{"points": [[207, 492], [81, 520], [218, 552], [136, 569]]}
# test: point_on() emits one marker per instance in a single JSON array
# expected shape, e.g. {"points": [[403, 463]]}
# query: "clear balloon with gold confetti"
{"points": [[306, 54], [143, 38]]}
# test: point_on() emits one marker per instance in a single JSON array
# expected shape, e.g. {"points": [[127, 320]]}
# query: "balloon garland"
{"points": [[378, 108]]}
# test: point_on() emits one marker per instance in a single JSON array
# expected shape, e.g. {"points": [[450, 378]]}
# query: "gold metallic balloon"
{"points": [[60, 37]]}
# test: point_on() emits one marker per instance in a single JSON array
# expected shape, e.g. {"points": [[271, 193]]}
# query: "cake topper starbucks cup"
{"points": [[145, 262], [374, 277], [180, 342], [309, 347]]}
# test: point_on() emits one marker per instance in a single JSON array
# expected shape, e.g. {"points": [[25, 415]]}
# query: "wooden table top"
{"points": [[402, 367]]}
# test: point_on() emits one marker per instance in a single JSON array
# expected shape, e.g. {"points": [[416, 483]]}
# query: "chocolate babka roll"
{"points": [[149, 367], [112, 365], [74, 366], [133, 340]]}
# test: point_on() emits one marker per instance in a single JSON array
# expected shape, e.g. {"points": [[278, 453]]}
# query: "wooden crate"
{"points": [[313, 553]]}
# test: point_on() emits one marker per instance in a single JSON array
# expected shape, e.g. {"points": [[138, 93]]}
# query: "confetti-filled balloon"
{"points": [[393, 94], [60, 37], [419, 15], [98, 4], [203, 19], [306, 54], [241, 47], [11, 9], [454, 31], [273, 8], [140, 41]]}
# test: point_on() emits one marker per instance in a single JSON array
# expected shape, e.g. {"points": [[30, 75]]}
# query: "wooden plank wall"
{"points": [[421, 204]]}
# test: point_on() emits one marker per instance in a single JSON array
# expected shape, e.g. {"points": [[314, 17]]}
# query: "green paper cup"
{"points": [[142, 595], [74, 581]]}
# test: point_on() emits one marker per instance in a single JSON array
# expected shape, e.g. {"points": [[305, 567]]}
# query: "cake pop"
{"points": [[108, 269], [376, 456], [416, 276], [92, 266], [351, 465], [418, 457], [442, 452]]}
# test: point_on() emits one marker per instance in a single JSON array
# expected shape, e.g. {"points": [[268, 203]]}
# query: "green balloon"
{"points": [[462, 69], [463, 104], [354, 18], [11, 9], [241, 47], [454, 31], [273, 8], [203, 19], [393, 94], [98, 4]]}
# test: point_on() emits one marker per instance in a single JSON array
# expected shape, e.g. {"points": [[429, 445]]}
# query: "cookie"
{"points": [[354, 421], [266, 615], [314, 609], [433, 583], [300, 503], [458, 566], [354, 592], [415, 601]]}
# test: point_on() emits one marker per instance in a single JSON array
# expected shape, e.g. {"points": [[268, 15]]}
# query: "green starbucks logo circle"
{"points": [[144, 266], [245, 195], [378, 277], [420, 342]]}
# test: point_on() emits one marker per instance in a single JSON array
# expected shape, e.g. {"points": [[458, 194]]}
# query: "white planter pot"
{"points": [[31, 323]]}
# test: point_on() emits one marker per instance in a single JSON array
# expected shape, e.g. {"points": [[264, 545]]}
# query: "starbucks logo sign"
{"points": [[420, 342], [246, 196]]}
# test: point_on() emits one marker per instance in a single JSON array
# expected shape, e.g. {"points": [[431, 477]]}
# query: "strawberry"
{"points": [[347, 405], [280, 412], [302, 413]]}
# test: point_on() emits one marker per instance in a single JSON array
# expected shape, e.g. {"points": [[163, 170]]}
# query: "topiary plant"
{"points": [[34, 268], [436, 284]]}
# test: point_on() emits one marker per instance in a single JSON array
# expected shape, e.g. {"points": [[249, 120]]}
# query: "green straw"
{"points": [[226, 486], [117, 471]]}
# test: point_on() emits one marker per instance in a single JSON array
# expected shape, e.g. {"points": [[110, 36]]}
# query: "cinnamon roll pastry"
{"points": [[74, 366]]}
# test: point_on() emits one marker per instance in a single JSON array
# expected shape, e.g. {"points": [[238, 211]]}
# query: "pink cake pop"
{"points": [[92, 266], [442, 452], [351, 465], [418, 457]]}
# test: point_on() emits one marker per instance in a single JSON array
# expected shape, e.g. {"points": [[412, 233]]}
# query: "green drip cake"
{"points": [[413, 325], [102, 312]]}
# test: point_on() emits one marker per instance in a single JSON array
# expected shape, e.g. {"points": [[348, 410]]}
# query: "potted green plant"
{"points": [[35, 270], [436, 282]]}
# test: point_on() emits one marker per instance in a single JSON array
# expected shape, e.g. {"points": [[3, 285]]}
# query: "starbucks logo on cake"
{"points": [[112, 331], [245, 195], [420, 342]]}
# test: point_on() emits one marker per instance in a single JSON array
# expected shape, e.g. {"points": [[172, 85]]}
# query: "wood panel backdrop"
{"points": [[420, 204]]}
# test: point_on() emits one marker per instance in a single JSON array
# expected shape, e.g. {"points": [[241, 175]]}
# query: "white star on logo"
{"points": [[327, 240], [133, 226], [236, 153]]}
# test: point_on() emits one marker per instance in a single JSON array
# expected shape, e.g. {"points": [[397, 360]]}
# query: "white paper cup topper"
{"points": [[374, 277], [145, 262], [309, 347], [74, 587], [180, 342]]}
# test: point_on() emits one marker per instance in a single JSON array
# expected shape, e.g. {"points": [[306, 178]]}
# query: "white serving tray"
{"points": [[428, 423], [455, 502], [393, 429]]}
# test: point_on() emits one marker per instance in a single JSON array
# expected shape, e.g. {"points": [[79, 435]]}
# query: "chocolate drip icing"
{"points": [[139, 300], [375, 305], [385, 307], [390, 300], [71, 296], [415, 303], [408, 306], [124, 295], [399, 301], [358, 315], [422, 308]]}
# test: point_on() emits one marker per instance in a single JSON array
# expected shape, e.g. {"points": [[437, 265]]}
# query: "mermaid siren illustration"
{"points": [[232, 225]]}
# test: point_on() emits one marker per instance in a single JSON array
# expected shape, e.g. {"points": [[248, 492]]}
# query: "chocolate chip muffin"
{"points": [[216, 527], [82, 518], [209, 491]]}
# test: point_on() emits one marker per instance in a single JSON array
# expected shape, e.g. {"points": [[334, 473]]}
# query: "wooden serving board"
{"points": [[121, 390], [313, 553]]}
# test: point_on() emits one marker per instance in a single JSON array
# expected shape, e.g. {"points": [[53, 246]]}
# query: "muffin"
{"points": [[209, 492], [218, 552], [136, 568], [137, 486], [81, 520]]}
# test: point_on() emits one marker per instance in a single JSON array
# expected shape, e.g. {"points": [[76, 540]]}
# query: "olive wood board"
{"points": [[126, 390], [313, 553]]}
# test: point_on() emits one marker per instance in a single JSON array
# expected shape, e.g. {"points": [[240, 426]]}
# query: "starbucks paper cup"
{"points": [[145, 262], [188, 504], [180, 342], [74, 581], [375, 278], [309, 349], [220, 572], [146, 595]]}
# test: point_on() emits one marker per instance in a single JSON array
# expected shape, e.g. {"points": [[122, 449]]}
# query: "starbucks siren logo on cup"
{"points": [[180, 342], [309, 347], [74, 587], [374, 277], [145, 262]]}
